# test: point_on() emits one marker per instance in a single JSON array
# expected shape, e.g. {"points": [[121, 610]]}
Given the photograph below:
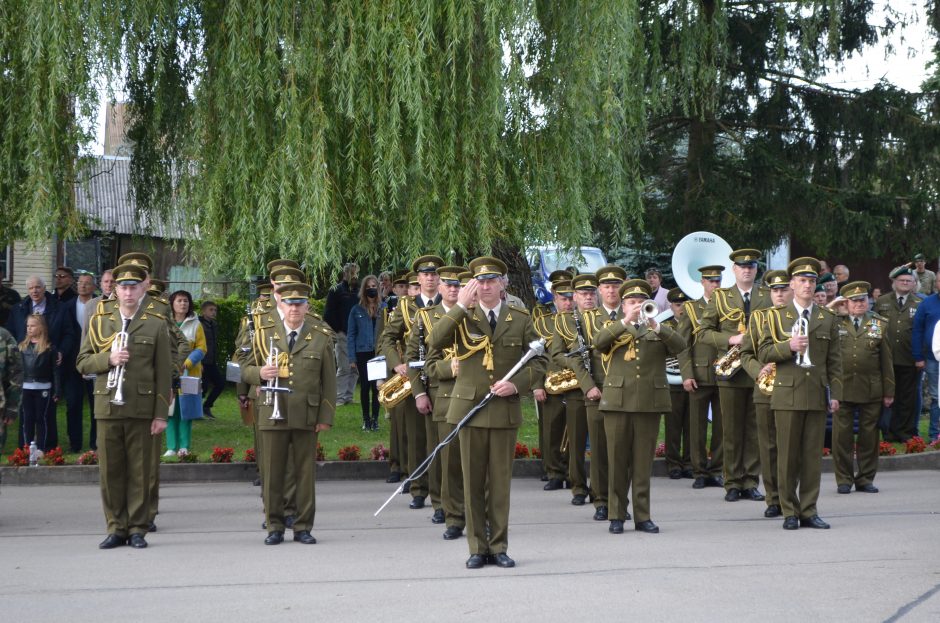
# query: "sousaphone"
{"points": [[700, 248]]}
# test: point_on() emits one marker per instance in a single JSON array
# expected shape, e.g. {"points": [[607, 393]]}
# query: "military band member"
{"points": [[780, 294], [899, 307], [678, 438], [135, 409], [697, 367], [867, 384], [635, 395], [397, 441], [552, 407], [808, 381], [392, 343], [723, 325], [490, 337], [305, 365], [440, 367]]}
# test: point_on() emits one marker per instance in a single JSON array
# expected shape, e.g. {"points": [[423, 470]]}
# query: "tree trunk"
{"points": [[520, 275]]}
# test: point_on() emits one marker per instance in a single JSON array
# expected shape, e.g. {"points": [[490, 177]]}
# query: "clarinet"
{"points": [[585, 354], [250, 321], [424, 374]]}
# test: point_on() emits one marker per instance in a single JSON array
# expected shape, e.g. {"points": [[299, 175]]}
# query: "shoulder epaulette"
{"points": [[879, 317], [831, 312], [518, 308]]}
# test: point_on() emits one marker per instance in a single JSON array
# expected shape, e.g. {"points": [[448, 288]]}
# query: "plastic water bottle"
{"points": [[33, 454]]}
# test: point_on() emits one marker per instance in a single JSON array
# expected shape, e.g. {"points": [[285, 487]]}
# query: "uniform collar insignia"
{"points": [[789, 315], [508, 317]]}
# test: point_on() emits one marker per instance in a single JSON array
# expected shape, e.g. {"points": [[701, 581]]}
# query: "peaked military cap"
{"points": [[137, 258], [676, 295], [287, 274], [281, 263], [804, 267], [636, 288], [427, 264], [295, 292], [777, 279], [451, 274], [611, 274], [712, 273], [745, 257], [487, 267], [855, 289], [129, 274], [559, 275], [584, 281], [563, 287]]}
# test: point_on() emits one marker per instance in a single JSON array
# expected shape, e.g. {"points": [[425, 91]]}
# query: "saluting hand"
{"points": [[468, 294]]}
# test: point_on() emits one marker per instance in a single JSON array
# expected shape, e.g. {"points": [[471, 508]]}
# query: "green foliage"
{"points": [[231, 313]]}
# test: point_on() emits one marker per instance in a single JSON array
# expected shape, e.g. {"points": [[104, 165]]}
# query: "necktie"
{"points": [[492, 321], [291, 339], [613, 315], [900, 302], [747, 306], [127, 323], [806, 315], [636, 325], [856, 324]]}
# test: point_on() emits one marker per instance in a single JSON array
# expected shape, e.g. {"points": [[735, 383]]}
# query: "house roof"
{"points": [[103, 198]]}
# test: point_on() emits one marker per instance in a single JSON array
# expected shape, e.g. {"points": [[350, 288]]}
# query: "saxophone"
{"points": [[394, 390], [765, 382], [728, 364], [561, 381]]}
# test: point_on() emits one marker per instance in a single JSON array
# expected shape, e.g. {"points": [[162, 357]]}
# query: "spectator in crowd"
{"points": [[922, 339], [511, 298], [385, 284], [75, 388], [926, 279], [61, 336], [360, 344], [179, 430], [339, 301], [9, 298], [828, 282], [64, 284], [823, 267], [654, 277], [107, 289], [875, 293], [211, 375], [841, 273], [40, 384]]}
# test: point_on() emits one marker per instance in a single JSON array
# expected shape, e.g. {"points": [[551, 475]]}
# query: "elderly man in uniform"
{"points": [[802, 339], [867, 384], [304, 370], [780, 295], [635, 395], [132, 345], [488, 337], [899, 308], [724, 326], [697, 367]]}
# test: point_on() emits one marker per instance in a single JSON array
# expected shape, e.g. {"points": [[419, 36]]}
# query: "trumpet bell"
{"points": [[700, 248], [649, 309]]}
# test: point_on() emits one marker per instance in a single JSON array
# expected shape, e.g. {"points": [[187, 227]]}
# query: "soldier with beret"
{"points": [[802, 340], [697, 367], [926, 278], [488, 337], [636, 393], [899, 307], [868, 383], [678, 438], [724, 326], [780, 294], [130, 343], [553, 406], [303, 364], [829, 285]]}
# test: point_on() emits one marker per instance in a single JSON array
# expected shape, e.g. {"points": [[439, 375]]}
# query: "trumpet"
{"points": [[272, 388], [649, 310], [116, 374], [801, 329]]}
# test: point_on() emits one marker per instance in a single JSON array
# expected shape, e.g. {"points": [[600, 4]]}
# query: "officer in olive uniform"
{"points": [[780, 294], [678, 438], [634, 352], [304, 365], [553, 406], [392, 344], [489, 338], [133, 411], [899, 307], [867, 384], [245, 393], [723, 325], [808, 381], [440, 377], [697, 367], [397, 437]]}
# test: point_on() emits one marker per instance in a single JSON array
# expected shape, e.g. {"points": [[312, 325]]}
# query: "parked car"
{"points": [[545, 260]]}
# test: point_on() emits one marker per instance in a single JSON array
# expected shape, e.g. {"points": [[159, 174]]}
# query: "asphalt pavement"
{"points": [[713, 560]]}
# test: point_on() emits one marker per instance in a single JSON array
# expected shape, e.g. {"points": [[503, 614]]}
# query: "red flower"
{"points": [[250, 456], [522, 451], [661, 448], [349, 453], [53, 457], [379, 453], [20, 457], [536, 453], [826, 451], [321, 456], [222, 455], [88, 458], [915, 445], [886, 449]]}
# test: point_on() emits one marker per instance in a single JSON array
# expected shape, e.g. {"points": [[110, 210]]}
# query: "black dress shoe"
{"points": [[137, 541], [274, 538], [752, 493], [438, 516], [687, 473], [698, 483], [844, 489], [869, 488], [814, 522], [452, 532], [112, 541], [600, 514], [714, 481], [554, 484], [417, 502], [772, 511], [305, 537], [616, 527], [394, 477], [152, 527], [578, 500], [647, 526], [475, 561], [289, 522], [675, 474], [503, 560], [791, 523], [733, 495]]}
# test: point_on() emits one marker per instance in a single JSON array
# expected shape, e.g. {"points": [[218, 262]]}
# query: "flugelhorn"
{"points": [[649, 310], [801, 329], [273, 387], [116, 374]]}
